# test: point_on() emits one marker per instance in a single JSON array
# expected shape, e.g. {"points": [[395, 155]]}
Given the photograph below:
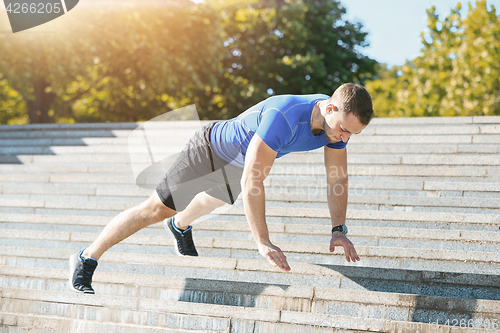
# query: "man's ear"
{"points": [[331, 108]]}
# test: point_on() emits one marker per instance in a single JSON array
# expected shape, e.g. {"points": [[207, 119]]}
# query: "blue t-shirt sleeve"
{"points": [[338, 145], [274, 129]]}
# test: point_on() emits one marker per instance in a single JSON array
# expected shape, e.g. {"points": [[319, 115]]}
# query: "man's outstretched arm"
{"points": [[258, 162], [337, 190]]}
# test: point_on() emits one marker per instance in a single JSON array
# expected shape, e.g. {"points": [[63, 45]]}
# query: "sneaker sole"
{"points": [[71, 271]]}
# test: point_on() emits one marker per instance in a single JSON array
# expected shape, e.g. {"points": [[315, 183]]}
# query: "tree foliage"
{"points": [[11, 104], [457, 73], [132, 60], [286, 47], [120, 61]]}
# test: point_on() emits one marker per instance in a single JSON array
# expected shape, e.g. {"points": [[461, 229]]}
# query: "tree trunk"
{"points": [[38, 108]]}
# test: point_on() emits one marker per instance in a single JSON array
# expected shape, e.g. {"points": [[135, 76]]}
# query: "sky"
{"points": [[394, 26]]}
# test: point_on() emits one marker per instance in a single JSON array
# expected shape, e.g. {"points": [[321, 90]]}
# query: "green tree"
{"points": [[285, 47], [135, 61], [457, 74], [120, 61], [11, 104], [384, 91]]}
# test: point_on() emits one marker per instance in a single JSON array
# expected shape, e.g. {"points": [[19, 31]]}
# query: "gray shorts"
{"points": [[198, 169]]}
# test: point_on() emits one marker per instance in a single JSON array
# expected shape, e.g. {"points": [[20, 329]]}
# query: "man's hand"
{"points": [[274, 255], [339, 239]]}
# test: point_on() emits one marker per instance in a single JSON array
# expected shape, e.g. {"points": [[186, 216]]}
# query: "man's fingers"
{"points": [[352, 255], [271, 261], [278, 259], [349, 250], [274, 255]]}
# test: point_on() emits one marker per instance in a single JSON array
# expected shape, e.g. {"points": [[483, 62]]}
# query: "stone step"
{"points": [[36, 323], [163, 131], [313, 159], [94, 190], [404, 159], [110, 194], [443, 265], [358, 189], [56, 127], [286, 215], [112, 126], [131, 193], [372, 257], [270, 204], [230, 222], [473, 284], [219, 228], [435, 130], [375, 129], [133, 311], [113, 190], [314, 195], [365, 303], [364, 138], [85, 150], [393, 245], [436, 120], [15, 173], [195, 315], [386, 239], [83, 142], [117, 192], [440, 217], [356, 148], [357, 140], [7, 148], [410, 201], [377, 121]]}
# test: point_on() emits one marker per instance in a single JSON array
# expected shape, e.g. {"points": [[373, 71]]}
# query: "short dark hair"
{"points": [[354, 98]]}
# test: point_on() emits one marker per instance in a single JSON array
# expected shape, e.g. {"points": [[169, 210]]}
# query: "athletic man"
{"points": [[225, 158]]}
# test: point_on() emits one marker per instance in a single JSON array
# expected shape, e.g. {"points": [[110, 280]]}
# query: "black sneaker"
{"points": [[184, 238], [80, 273]]}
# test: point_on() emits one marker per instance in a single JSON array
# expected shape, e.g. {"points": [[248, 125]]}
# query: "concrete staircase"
{"points": [[423, 214]]}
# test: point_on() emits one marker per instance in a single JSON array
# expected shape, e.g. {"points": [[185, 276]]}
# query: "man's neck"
{"points": [[316, 120]]}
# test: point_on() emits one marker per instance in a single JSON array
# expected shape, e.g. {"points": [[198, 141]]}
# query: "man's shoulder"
{"points": [[285, 102]]}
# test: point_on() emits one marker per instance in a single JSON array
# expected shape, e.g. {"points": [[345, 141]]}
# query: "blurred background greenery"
{"points": [[133, 60]]}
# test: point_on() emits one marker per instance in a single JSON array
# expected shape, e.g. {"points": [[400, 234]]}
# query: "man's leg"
{"points": [[127, 223], [201, 204]]}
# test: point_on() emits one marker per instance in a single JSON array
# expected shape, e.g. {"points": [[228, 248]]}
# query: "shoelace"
{"points": [[189, 241], [87, 272]]}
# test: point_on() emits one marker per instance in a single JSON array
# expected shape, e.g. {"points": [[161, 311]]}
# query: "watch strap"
{"points": [[342, 228]]}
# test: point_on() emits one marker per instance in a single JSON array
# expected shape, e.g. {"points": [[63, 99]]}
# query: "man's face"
{"points": [[338, 126]]}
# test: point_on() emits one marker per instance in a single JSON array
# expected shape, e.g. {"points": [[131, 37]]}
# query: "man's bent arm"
{"points": [[337, 192], [258, 162]]}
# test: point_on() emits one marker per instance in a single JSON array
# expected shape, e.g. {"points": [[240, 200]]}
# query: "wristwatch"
{"points": [[342, 228]]}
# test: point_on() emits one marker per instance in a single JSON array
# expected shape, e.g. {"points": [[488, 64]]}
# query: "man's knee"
{"points": [[209, 200], [157, 209]]}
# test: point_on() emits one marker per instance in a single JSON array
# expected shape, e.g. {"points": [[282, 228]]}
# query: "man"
{"points": [[226, 158]]}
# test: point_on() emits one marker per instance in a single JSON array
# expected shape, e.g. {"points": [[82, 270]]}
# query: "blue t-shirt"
{"points": [[283, 122]]}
